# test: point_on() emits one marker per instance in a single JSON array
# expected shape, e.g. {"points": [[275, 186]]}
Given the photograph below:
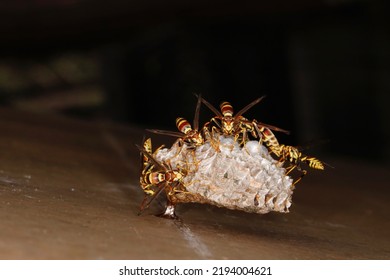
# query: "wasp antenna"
{"points": [[152, 130], [166, 132], [211, 107], [150, 157], [197, 110], [250, 105], [327, 164], [272, 127]]}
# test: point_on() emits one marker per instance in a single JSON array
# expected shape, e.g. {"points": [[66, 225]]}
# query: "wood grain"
{"points": [[69, 190]]}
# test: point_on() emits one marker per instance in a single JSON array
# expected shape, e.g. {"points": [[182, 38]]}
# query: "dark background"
{"points": [[324, 65]]}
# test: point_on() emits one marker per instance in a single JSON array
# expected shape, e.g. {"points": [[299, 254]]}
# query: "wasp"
{"points": [[295, 158], [147, 165], [157, 177], [187, 134], [229, 124]]}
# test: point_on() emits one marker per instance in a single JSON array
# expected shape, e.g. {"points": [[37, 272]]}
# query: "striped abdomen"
{"points": [[155, 178], [227, 121], [192, 136], [313, 162], [183, 125], [270, 140], [226, 109], [293, 155]]}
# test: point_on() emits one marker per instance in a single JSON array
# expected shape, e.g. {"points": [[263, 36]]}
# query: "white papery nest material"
{"points": [[227, 175]]}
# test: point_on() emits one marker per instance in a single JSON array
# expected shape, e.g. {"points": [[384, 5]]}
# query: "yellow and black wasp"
{"points": [[294, 157], [227, 123], [157, 177], [189, 135]]}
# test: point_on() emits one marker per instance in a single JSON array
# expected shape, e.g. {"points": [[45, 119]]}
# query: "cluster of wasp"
{"points": [[159, 176]]}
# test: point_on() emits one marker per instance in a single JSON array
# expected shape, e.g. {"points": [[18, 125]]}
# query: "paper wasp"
{"points": [[239, 126], [293, 156], [147, 164], [187, 134], [157, 177]]}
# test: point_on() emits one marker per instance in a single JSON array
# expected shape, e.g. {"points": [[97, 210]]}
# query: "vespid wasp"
{"points": [[240, 127], [157, 177], [293, 156], [187, 134]]}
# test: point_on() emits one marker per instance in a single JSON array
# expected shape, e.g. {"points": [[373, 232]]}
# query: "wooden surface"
{"points": [[69, 190]]}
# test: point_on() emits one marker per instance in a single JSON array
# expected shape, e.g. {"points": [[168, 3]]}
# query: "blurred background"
{"points": [[323, 65]]}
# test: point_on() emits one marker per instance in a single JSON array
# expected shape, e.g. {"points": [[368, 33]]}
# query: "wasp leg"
{"points": [[210, 136], [147, 189], [246, 127], [186, 164], [243, 142], [176, 188], [159, 148], [215, 139], [291, 168], [304, 172], [259, 134], [244, 136], [149, 199], [253, 130], [180, 143], [214, 120]]}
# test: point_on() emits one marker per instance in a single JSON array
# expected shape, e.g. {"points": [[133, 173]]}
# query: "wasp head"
{"points": [[194, 138]]}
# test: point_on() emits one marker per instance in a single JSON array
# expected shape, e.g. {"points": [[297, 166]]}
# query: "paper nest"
{"points": [[227, 175]]}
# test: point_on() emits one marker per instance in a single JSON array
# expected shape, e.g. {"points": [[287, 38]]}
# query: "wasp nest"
{"points": [[232, 176], [231, 162]]}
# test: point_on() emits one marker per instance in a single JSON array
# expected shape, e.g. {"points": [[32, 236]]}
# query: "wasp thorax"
{"points": [[196, 138], [227, 125]]}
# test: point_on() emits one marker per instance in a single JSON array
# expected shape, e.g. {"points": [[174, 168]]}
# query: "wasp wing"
{"points": [[166, 132], [197, 110], [275, 128], [151, 158], [211, 107], [250, 105]]}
